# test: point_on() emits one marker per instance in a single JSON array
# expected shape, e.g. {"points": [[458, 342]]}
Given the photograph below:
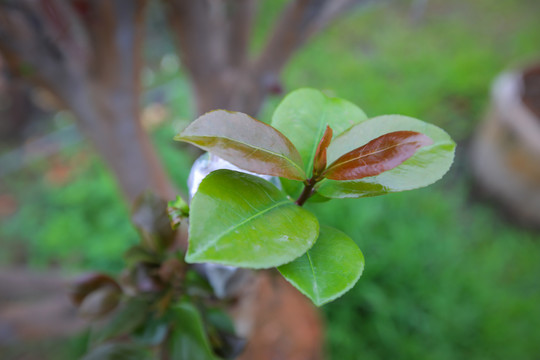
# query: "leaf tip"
{"points": [[320, 158]]}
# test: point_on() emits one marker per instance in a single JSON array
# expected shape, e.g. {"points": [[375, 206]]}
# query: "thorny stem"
{"points": [[308, 191]]}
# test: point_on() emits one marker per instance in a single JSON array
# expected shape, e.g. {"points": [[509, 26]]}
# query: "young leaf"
{"points": [[427, 165], [328, 270], [319, 162], [303, 116], [177, 210], [241, 220], [381, 154], [245, 142], [188, 339]]}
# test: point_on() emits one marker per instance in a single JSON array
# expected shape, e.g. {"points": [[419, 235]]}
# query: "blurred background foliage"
{"points": [[446, 277]]}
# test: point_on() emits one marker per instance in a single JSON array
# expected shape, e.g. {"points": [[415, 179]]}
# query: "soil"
{"points": [[531, 94]]}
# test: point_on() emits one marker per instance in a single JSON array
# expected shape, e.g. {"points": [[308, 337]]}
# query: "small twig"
{"points": [[307, 192]]}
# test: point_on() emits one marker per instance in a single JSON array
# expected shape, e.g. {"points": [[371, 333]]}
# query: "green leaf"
{"points": [[318, 198], [377, 156], [118, 351], [303, 116], [245, 142], [426, 166], [177, 210], [153, 332], [329, 269], [350, 189], [241, 220], [188, 339]]}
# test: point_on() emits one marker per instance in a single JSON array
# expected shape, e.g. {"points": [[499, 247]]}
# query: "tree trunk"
{"points": [[88, 54], [116, 132]]}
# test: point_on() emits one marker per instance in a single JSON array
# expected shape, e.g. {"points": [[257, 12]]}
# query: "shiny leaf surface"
{"points": [[188, 339], [379, 155], [245, 142], [242, 220], [329, 269], [427, 165], [303, 116], [319, 162]]}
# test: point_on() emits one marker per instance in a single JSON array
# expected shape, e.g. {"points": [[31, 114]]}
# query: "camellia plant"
{"points": [[321, 148], [317, 148]]}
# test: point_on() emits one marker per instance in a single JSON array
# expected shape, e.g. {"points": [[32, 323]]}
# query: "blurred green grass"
{"points": [[445, 278]]}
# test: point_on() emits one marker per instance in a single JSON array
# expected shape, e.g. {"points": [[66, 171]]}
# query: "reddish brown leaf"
{"points": [[89, 283], [100, 302], [319, 161], [245, 142], [379, 155]]}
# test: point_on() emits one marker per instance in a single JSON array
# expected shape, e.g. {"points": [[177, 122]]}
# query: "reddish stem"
{"points": [[308, 191]]}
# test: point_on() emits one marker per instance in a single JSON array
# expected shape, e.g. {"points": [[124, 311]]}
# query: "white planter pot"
{"points": [[506, 148]]}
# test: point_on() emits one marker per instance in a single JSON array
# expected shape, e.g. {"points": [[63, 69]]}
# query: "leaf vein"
{"points": [[315, 285], [216, 238], [256, 148]]}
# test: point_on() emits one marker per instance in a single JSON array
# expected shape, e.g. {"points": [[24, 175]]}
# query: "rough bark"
{"points": [[87, 53]]}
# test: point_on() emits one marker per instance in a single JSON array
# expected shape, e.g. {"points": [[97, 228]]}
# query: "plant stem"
{"points": [[308, 191]]}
